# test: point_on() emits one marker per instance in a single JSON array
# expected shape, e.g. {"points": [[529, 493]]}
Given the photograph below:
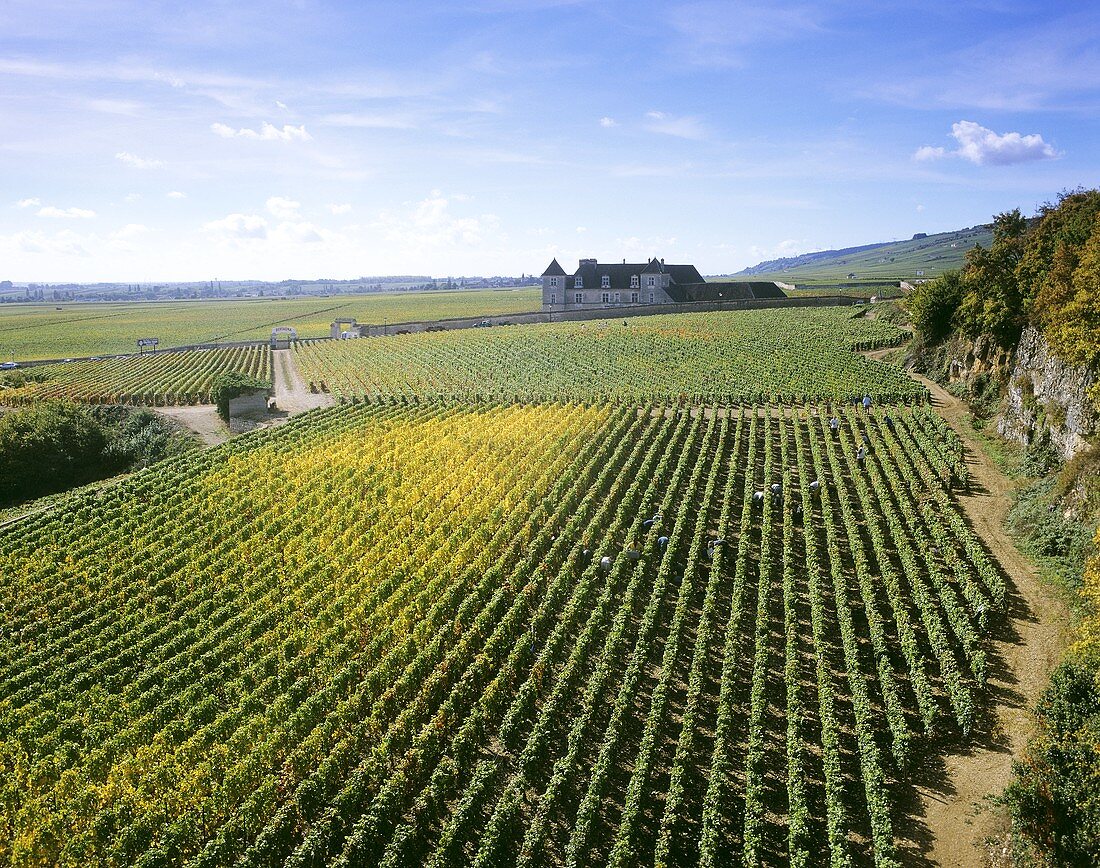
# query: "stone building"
{"points": [[608, 285]]}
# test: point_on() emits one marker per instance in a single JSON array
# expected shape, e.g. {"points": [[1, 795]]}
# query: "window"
{"points": [[605, 297], [633, 298], [578, 298], [605, 282], [553, 298], [617, 298], [633, 281], [651, 297], [578, 282], [651, 281], [553, 281]]}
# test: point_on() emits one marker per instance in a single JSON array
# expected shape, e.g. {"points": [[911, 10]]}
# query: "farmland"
{"points": [[742, 356], [387, 633], [42, 331], [158, 379]]}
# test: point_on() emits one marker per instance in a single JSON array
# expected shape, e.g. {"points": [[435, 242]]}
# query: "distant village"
{"points": [[30, 292]]}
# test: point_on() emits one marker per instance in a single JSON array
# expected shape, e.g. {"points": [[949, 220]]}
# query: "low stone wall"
{"points": [[610, 312]]}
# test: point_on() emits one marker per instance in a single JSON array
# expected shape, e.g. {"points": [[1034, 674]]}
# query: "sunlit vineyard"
{"points": [[744, 356], [408, 632], [55, 331], [155, 379]]}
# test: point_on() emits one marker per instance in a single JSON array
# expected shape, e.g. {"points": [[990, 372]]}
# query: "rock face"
{"points": [[1044, 391]]}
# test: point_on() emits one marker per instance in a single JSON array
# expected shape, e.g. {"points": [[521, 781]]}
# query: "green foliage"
{"points": [[932, 306], [1039, 520], [231, 385], [992, 303], [1055, 798], [47, 448]]}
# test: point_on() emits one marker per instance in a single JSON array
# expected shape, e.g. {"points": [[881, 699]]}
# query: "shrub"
{"points": [[232, 385], [47, 448]]}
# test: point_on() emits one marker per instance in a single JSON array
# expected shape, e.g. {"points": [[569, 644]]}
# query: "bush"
{"points": [[48, 447], [1055, 798], [232, 385]]}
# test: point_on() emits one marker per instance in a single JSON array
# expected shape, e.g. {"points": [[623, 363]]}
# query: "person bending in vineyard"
{"points": [[861, 456]]}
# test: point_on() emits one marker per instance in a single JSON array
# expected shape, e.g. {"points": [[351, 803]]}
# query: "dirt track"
{"points": [[292, 395], [954, 788]]}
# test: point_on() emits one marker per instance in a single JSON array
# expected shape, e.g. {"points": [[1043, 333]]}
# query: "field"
{"points": [[742, 356], [159, 379], [42, 331], [526, 597]]}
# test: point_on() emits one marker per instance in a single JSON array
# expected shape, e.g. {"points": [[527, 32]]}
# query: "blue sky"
{"points": [[186, 141]]}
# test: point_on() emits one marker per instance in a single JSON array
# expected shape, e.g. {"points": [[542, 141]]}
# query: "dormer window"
{"points": [[605, 282], [578, 282], [553, 281], [633, 281], [651, 281]]}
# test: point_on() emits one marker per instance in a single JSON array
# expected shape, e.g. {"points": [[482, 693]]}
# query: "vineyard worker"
{"points": [[866, 402], [662, 542], [758, 498], [633, 553], [797, 512], [712, 545], [861, 456], [834, 425], [815, 489], [889, 422], [649, 522], [605, 564]]}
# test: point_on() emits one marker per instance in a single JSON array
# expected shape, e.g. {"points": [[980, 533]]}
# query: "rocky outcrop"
{"points": [[1044, 392]]}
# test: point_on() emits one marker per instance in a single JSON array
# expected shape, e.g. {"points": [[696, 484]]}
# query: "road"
{"points": [[292, 395]]}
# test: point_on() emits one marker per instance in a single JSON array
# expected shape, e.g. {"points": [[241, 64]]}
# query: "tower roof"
{"points": [[554, 270]]}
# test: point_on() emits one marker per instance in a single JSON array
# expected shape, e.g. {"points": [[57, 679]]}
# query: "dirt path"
{"points": [[292, 395], [202, 420], [954, 789]]}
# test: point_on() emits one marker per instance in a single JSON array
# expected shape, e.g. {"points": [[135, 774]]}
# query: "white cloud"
{"points": [[175, 194], [72, 213], [927, 152], [342, 208], [920, 208], [236, 227], [582, 229], [132, 197], [130, 230], [138, 162], [607, 123], [684, 127], [65, 243], [33, 202], [267, 132], [430, 225], [283, 208], [281, 105], [982, 146], [302, 233]]}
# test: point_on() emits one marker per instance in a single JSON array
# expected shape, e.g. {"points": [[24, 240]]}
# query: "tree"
{"points": [[932, 306], [992, 302], [46, 448]]}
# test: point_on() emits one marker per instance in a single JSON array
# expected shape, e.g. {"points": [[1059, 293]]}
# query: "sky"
{"points": [[163, 141]]}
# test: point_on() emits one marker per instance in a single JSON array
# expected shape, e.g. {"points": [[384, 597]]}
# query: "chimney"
{"points": [[662, 261]]}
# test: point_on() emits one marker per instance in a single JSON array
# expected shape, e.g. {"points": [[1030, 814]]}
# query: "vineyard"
{"points": [[743, 357], [50, 331], [155, 379], [429, 632]]}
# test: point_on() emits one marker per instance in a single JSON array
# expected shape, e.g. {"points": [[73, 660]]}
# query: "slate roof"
{"points": [[554, 270], [592, 273]]}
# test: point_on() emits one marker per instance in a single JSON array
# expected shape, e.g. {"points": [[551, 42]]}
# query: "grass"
{"points": [[76, 329]]}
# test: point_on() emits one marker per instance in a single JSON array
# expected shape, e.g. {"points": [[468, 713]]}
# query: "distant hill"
{"points": [[896, 260]]}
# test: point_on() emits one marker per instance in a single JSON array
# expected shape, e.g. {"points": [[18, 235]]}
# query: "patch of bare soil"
{"points": [[954, 791], [203, 420]]}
